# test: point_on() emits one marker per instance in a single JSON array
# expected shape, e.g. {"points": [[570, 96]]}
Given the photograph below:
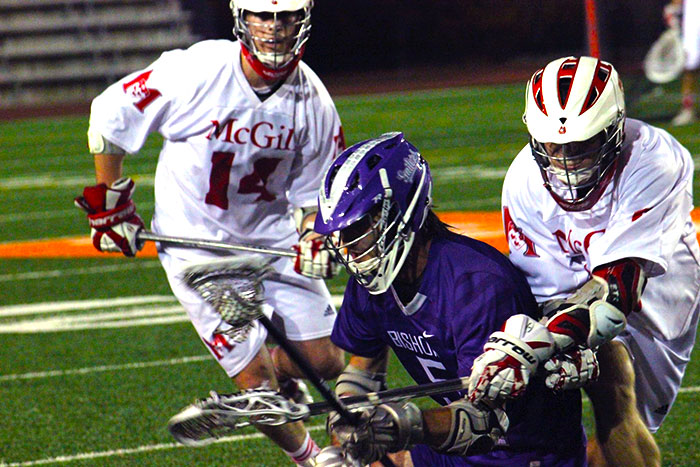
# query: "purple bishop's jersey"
{"points": [[468, 290]]}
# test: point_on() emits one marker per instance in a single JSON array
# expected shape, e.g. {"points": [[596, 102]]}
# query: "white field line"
{"points": [[136, 450], [53, 307], [104, 368], [56, 213], [472, 172], [107, 320], [168, 446], [130, 311], [54, 181], [36, 275]]}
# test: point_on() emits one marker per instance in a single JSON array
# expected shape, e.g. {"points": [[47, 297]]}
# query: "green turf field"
{"points": [[87, 379]]}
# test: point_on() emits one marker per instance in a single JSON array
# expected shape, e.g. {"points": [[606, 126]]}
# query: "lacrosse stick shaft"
{"points": [[393, 395], [389, 395], [300, 361], [331, 399], [148, 236]]}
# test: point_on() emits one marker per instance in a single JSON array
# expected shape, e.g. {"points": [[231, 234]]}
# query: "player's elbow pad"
{"points": [[358, 382], [586, 318], [598, 311]]}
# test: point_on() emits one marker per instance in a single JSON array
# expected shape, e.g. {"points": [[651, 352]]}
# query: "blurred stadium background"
{"points": [[68, 50], [95, 354]]}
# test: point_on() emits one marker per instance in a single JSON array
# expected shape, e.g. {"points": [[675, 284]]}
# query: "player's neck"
{"points": [[254, 79]]}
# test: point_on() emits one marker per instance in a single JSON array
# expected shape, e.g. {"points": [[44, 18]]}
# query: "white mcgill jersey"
{"points": [[644, 213], [232, 167]]}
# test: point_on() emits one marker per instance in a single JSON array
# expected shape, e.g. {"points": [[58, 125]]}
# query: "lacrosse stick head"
{"points": [[218, 415], [665, 60], [233, 287]]}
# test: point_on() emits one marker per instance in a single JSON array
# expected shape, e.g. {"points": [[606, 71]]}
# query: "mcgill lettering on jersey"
{"points": [[468, 290], [219, 134], [644, 213]]}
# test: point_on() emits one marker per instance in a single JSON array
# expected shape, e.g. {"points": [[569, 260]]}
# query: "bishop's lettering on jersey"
{"points": [[264, 135], [416, 344]]}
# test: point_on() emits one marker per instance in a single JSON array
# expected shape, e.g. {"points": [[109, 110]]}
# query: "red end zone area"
{"points": [[484, 226]]}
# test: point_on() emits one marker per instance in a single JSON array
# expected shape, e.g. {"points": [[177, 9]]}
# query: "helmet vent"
{"points": [[332, 174], [373, 160], [565, 78], [354, 182], [600, 79], [564, 88], [537, 90]]}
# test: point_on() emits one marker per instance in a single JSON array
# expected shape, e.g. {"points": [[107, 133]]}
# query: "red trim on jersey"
{"points": [[639, 213]]}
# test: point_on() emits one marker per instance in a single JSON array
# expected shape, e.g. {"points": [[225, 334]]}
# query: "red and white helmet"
{"points": [[284, 16], [569, 101]]}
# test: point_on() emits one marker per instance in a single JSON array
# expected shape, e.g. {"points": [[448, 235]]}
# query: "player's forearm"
{"points": [[436, 426], [108, 168]]}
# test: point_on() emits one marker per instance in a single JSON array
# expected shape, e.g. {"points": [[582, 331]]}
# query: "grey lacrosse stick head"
{"points": [[233, 287]]}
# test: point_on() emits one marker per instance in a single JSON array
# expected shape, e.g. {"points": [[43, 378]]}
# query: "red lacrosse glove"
{"points": [[114, 223]]}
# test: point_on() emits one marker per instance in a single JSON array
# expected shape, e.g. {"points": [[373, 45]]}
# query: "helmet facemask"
{"points": [[575, 114], [575, 172], [374, 248], [375, 198], [274, 38]]}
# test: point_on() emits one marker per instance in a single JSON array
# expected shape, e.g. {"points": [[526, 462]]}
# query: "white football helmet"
{"points": [[275, 44], [577, 105]]}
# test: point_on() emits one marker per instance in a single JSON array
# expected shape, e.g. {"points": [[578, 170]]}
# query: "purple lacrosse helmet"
{"points": [[375, 196]]}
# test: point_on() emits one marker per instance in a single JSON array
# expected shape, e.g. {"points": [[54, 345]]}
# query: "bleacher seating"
{"points": [[54, 51]]}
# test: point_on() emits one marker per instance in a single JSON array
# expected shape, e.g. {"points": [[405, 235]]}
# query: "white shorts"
{"points": [[303, 304], [659, 366], [690, 30]]}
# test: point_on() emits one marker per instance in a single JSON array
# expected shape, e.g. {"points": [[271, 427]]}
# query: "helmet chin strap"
{"points": [[267, 73]]}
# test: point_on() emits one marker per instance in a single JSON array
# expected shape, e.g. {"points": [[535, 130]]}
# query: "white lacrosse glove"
{"points": [[571, 370], [389, 427], [473, 429], [313, 259], [114, 223], [510, 357]]}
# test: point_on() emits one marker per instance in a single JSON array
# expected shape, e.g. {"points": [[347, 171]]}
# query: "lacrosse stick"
{"points": [[233, 287], [222, 414], [148, 236], [665, 60]]}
